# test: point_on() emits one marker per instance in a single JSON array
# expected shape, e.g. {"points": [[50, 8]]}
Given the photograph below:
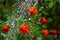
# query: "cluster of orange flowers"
{"points": [[24, 28]]}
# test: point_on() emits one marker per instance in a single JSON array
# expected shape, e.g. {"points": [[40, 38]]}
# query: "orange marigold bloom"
{"points": [[32, 10], [45, 32], [24, 28], [5, 28]]}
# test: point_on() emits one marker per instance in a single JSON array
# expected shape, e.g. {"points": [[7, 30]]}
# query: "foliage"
{"points": [[45, 8]]}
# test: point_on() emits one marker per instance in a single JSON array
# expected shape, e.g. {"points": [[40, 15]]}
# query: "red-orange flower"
{"points": [[54, 31], [32, 10], [5, 28], [24, 28], [43, 20], [45, 32]]}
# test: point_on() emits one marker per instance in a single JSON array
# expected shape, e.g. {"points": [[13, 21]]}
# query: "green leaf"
{"points": [[39, 38], [51, 4], [45, 13], [44, 26], [50, 20], [59, 1]]}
